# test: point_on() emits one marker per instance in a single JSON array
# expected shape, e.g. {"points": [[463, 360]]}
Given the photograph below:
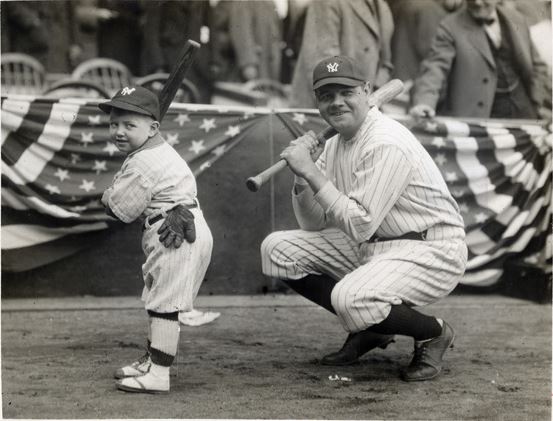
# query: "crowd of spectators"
{"points": [[282, 40]]}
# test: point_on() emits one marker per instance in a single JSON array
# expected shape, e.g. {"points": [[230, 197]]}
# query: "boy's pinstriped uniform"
{"points": [[382, 183], [153, 180]]}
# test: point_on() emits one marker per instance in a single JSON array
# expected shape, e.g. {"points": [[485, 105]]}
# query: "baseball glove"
{"points": [[177, 226]]}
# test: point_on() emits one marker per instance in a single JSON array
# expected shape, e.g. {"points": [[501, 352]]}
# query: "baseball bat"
{"points": [[386, 93], [174, 80]]}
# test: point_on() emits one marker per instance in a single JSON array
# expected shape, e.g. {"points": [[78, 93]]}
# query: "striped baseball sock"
{"points": [[404, 320], [165, 337]]}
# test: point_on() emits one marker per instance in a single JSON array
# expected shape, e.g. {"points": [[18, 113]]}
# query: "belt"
{"points": [[162, 215], [412, 235]]}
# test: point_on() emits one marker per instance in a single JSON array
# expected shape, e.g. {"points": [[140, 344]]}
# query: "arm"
{"points": [[434, 70], [128, 196]]}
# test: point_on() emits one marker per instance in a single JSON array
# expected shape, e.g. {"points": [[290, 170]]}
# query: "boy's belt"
{"points": [[152, 220], [412, 235]]}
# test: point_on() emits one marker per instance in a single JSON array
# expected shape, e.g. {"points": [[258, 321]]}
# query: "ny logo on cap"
{"points": [[127, 91], [332, 67]]}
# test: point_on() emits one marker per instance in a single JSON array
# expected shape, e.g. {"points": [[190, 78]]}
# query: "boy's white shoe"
{"points": [[137, 368], [155, 381]]}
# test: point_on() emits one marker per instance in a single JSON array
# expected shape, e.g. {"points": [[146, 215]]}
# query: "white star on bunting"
{"points": [[62, 174], [439, 142], [99, 166], [87, 185], [219, 150], [450, 176], [480, 217], [86, 138], [173, 138], [110, 148], [300, 118], [440, 159], [75, 157], [247, 115], [463, 207], [232, 131], [52, 189], [197, 146], [94, 120], [181, 119], [431, 127], [205, 165], [208, 124]]}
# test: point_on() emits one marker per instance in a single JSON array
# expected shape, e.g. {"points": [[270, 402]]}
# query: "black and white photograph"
{"points": [[276, 209]]}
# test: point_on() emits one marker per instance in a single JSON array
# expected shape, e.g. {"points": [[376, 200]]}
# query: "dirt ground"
{"points": [[259, 360]]}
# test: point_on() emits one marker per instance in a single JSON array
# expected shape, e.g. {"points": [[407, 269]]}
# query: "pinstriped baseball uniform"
{"points": [[382, 183], [154, 179]]}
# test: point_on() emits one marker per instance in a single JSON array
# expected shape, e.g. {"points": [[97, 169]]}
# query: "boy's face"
{"points": [[129, 130], [344, 107]]}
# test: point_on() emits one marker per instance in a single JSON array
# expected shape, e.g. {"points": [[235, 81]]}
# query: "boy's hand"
{"points": [[178, 225]]}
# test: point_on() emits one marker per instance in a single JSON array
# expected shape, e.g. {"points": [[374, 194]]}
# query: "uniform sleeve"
{"points": [[309, 213], [434, 69], [129, 195], [379, 179]]}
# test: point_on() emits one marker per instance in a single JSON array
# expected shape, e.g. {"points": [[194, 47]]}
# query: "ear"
{"points": [[154, 128]]}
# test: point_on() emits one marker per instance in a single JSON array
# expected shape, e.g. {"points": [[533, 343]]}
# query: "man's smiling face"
{"points": [[344, 107]]}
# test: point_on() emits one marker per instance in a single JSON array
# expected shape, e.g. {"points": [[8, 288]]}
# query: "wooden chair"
{"points": [[21, 74], [188, 92], [72, 88], [110, 74], [275, 91]]}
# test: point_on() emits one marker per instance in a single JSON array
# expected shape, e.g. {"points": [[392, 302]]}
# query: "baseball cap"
{"points": [[136, 98], [341, 70]]}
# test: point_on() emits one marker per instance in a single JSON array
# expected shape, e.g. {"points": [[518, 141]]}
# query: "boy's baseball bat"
{"points": [[174, 79], [386, 93]]}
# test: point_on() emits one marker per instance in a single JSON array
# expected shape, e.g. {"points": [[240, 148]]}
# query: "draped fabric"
{"points": [[57, 160]]}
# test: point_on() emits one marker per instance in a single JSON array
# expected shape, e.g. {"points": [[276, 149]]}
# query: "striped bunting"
{"points": [[57, 160]]}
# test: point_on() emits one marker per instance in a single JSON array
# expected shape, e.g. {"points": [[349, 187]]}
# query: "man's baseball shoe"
{"points": [[427, 359], [355, 346], [137, 368], [147, 383]]}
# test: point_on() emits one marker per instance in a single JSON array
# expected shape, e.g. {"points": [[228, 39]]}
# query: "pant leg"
{"points": [[295, 254], [402, 271]]}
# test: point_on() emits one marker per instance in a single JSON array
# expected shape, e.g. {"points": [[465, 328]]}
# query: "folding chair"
{"points": [[187, 93], [110, 74], [275, 91], [21, 74], [76, 89]]}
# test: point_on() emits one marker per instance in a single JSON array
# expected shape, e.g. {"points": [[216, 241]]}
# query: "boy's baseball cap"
{"points": [[340, 70], [136, 98]]}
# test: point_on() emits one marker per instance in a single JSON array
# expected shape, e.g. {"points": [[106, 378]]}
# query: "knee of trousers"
{"points": [[272, 251], [347, 301]]}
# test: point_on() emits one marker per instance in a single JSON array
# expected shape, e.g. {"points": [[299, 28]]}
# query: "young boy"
{"points": [[153, 180]]}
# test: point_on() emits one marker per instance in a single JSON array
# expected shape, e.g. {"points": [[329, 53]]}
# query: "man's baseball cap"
{"points": [[340, 70], [137, 99]]}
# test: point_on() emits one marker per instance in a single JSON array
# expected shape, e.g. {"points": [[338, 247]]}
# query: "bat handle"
{"points": [[255, 183]]}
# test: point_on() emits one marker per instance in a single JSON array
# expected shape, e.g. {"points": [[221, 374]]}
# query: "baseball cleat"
{"points": [[428, 355], [137, 368], [355, 346], [147, 383]]}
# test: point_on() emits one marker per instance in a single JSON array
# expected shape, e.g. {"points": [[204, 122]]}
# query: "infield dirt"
{"points": [[259, 360]]}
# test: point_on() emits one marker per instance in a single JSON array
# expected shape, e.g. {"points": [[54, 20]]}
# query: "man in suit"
{"points": [[484, 63], [360, 29], [416, 23]]}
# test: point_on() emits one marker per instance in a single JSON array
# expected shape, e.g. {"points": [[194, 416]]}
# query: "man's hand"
{"points": [[422, 111], [177, 226], [302, 153]]}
